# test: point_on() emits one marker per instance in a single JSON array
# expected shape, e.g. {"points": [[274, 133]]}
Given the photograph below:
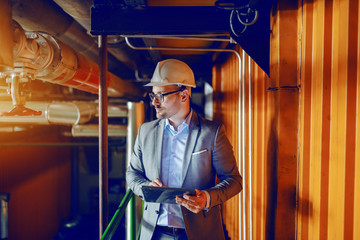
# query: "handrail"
{"points": [[114, 223]]}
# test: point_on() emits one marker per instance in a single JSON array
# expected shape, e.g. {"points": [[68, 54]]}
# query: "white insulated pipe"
{"points": [[70, 113]]}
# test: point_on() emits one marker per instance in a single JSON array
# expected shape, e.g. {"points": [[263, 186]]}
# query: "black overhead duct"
{"points": [[247, 21], [250, 28]]}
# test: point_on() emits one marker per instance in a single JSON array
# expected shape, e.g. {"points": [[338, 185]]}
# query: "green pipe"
{"points": [[114, 223], [132, 219]]}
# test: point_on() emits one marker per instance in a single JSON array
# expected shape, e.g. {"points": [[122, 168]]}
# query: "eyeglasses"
{"points": [[160, 96]]}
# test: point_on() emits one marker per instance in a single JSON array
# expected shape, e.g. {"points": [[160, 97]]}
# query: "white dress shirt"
{"points": [[173, 150]]}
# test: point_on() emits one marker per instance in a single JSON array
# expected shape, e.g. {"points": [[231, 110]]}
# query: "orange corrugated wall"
{"points": [[226, 94], [225, 106], [305, 125], [329, 171]]}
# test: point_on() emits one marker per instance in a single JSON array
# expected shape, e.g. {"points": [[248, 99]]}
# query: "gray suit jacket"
{"points": [[208, 153]]}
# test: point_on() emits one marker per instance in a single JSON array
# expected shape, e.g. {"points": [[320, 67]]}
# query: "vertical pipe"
{"points": [[250, 154], [243, 145], [240, 159], [131, 133], [103, 137]]}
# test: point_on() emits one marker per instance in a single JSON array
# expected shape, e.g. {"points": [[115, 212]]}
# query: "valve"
{"points": [[28, 52], [18, 88]]}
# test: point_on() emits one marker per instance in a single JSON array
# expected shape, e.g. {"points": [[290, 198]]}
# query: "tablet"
{"points": [[164, 194]]}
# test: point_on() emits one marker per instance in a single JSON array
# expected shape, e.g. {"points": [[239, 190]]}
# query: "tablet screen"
{"points": [[164, 194]]}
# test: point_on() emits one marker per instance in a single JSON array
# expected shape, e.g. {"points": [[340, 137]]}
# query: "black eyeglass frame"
{"points": [[161, 95]]}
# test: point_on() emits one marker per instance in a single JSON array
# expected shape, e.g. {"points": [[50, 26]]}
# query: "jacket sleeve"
{"points": [[135, 174], [224, 162]]}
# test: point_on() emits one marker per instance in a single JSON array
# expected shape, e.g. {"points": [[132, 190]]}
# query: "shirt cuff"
{"points": [[207, 206]]}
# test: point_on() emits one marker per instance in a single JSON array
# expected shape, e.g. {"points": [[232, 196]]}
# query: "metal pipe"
{"points": [[131, 130], [103, 137], [240, 148], [42, 56], [17, 98], [115, 221], [241, 122], [72, 69], [70, 112], [243, 146], [92, 130], [179, 49], [250, 152], [47, 16], [179, 37], [6, 37]]}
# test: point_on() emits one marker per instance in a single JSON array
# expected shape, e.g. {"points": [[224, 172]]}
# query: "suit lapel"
{"points": [[191, 141], [159, 134]]}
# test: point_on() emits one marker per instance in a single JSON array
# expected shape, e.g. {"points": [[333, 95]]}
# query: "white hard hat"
{"points": [[171, 72]]}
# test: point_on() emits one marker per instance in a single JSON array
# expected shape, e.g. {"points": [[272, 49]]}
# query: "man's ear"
{"points": [[184, 95]]}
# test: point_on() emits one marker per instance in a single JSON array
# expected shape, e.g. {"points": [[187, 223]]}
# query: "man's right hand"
{"points": [[156, 183]]}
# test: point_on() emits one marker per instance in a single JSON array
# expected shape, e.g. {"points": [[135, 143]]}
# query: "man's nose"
{"points": [[155, 101]]}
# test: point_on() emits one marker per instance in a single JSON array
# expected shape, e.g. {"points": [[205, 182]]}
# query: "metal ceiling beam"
{"points": [[114, 19]]}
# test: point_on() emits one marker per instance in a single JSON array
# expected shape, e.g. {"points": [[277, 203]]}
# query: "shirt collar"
{"points": [[184, 124]]}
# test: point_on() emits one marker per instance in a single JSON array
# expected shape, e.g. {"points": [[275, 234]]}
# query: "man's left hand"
{"points": [[193, 203]]}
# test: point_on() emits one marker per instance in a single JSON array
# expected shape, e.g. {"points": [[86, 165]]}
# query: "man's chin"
{"points": [[159, 116]]}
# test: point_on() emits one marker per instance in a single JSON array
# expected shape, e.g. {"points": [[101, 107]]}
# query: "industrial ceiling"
{"points": [[141, 33]]}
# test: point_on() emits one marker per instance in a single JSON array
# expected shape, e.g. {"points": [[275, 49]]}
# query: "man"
{"points": [[182, 149]]}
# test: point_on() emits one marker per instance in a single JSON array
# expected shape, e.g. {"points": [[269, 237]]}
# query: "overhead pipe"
{"points": [[74, 70], [70, 113], [92, 130], [47, 16], [180, 48], [241, 121], [179, 37], [6, 37], [41, 56]]}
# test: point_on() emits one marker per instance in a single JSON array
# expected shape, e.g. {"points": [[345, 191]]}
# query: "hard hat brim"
{"points": [[158, 84]]}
